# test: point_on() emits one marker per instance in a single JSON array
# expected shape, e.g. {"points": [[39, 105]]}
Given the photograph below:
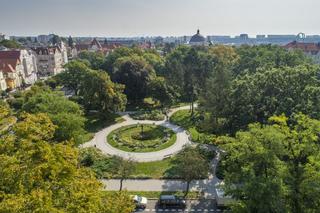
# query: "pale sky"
{"points": [[158, 17]]}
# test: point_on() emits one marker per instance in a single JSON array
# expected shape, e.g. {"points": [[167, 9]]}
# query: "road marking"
{"points": [[153, 210], [199, 210], [211, 210], [147, 210]]}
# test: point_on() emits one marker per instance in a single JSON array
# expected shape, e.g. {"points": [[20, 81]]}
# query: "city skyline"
{"points": [[129, 18]]}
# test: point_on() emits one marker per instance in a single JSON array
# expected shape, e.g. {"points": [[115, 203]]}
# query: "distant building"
{"points": [[198, 40], [45, 38], [18, 68], [310, 49], [244, 36], [50, 60], [94, 46], [2, 36], [261, 36]]}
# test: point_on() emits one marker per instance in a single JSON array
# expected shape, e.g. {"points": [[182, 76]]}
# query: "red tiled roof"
{"points": [[8, 65], [81, 47], [95, 42], [9, 60], [10, 54], [306, 47]]}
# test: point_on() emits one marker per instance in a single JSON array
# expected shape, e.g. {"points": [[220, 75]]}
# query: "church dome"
{"points": [[197, 38]]}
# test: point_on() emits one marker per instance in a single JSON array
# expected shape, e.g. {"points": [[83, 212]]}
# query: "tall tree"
{"points": [[38, 176], [190, 165], [258, 96], [135, 73], [122, 169], [270, 168], [214, 97], [70, 42], [66, 114]]}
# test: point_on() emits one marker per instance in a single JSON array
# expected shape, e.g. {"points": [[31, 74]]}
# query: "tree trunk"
{"points": [[121, 180], [187, 190], [191, 105]]}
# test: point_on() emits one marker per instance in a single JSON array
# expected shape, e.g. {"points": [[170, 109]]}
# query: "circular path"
{"points": [[100, 139]]}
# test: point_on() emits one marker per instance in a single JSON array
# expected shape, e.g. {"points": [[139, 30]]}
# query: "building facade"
{"points": [[3, 84], [18, 68], [198, 40], [50, 60]]}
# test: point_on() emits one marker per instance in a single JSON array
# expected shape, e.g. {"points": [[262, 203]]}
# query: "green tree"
{"points": [[159, 90], [99, 93], [122, 168], [73, 76], [70, 42], [188, 68], [271, 168], [135, 73], [118, 53], [11, 44], [253, 58], [96, 59], [119, 202], [190, 165], [258, 96], [66, 114], [6, 118], [214, 98], [37, 176], [94, 89]]}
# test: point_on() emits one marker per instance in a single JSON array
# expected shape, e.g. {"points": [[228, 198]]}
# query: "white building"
{"points": [[3, 84], [50, 60], [44, 38], [18, 67]]}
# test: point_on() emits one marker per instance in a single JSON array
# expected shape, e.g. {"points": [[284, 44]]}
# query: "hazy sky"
{"points": [[158, 17]]}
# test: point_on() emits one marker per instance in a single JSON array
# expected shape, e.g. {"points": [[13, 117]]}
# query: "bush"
{"points": [[155, 115]]}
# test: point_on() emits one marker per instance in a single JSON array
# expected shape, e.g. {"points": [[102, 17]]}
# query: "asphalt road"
{"points": [[192, 206]]}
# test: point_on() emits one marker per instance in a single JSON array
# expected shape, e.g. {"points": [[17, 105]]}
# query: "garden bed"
{"points": [[142, 138]]}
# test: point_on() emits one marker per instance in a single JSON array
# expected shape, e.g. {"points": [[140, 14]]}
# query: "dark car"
{"points": [[172, 201]]}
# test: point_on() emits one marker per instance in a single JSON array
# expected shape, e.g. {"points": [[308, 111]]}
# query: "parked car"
{"points": [[140, 202], [172, 201]]}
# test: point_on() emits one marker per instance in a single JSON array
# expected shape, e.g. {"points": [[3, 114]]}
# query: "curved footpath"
{"points": [[206, 186], [100, 139]]}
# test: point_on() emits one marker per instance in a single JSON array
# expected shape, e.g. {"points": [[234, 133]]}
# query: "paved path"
{"points": [[206, 186], [100, 139]]}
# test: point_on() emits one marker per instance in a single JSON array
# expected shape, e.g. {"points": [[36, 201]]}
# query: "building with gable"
{"points": [[50, 60], [18, 68]]}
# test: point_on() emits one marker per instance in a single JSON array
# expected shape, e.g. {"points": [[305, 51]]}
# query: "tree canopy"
{"points": [[271, 168], [40, 176]]}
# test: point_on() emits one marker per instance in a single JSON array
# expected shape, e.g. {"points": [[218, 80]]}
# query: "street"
{"points": [[192, 206]]}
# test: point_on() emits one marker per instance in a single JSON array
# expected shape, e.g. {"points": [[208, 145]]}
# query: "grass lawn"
{"points": [[131, 139], [96, 122], [183, 118], [155, 170], [156, 194]]}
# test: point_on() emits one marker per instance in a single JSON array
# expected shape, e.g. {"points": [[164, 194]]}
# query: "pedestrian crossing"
{"points": [[183, 210]]}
